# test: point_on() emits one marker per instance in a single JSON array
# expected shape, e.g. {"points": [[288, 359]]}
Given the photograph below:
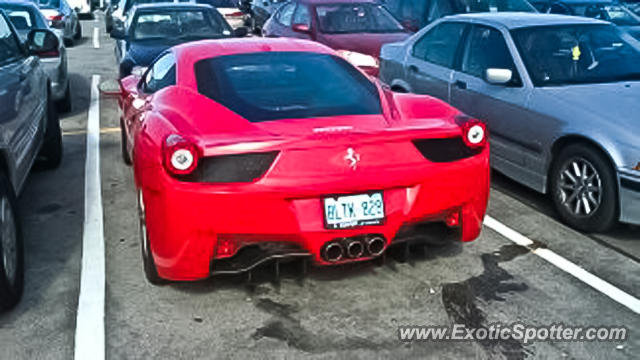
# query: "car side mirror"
{"points": [[241, 32], [118, 33], [42, 43], [301, 28], [110, 88], [498, 76]]}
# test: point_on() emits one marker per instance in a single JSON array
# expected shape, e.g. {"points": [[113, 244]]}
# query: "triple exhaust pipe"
{"points": [[353, 248]]}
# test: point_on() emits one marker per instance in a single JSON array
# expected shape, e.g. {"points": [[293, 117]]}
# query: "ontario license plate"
{"points": [[341, 212]]}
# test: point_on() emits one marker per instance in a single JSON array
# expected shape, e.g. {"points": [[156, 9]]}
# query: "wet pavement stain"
{"points": [[284, 327], [461, 299]]}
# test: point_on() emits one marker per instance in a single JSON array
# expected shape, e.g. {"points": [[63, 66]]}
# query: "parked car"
{"points": [[558, 93], [416, 14], [82, 7], [25, 16], [29, 128], [154, 28], [260, 11], [357, 29], [62, 19], [321, 160], [228, 9], [607, 10], [116, 13]]}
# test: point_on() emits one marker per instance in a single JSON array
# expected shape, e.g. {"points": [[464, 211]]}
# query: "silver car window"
{"points": [[477, 59], [286, 14], [440, 44], [162, 74]]}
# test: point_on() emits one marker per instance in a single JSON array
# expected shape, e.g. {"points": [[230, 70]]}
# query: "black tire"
{"points": [[65, 106], [123, 145], [601, 214], [11, 284], [78, 33], [69, 43], [51, 151], [148, 264]]}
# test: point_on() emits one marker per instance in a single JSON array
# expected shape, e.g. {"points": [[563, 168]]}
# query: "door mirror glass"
{"points": [[43, 43], [118, 33], [498, 76]]}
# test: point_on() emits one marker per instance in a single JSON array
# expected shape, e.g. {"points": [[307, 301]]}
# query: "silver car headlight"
{"points": [[359, 59]]}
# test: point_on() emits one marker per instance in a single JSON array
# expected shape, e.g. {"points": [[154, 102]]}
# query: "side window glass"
{"points": [[440, 44], [162, 74], [9, 48], [302, 15], [477, 59], [286, 14]]}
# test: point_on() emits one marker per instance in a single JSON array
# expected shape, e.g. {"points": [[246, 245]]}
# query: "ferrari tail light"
{"points": [[474, 134], [180, 155], [440, 150], [236, 168]]}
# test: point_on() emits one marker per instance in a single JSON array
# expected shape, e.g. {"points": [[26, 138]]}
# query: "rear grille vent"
{"points": [[241, 168], [445, 149]]}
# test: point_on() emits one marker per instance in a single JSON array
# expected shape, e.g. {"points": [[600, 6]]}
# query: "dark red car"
{"points": [[357, 29]]}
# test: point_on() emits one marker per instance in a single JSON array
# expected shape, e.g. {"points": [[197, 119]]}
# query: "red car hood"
{"points": [[365, 43]]}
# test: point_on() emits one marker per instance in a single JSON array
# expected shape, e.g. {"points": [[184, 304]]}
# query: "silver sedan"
{"points": [[25, 17], [560, 95]]}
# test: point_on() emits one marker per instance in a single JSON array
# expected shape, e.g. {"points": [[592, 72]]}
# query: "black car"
{"points": [[154, 28], [30, 129]]}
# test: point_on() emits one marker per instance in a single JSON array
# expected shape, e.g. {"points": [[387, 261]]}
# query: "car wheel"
{"points": [[11, 248], [583, 187], [149, 265], [78, 33], [68, 42], [64, 105], [123, 144], [51, 150]]}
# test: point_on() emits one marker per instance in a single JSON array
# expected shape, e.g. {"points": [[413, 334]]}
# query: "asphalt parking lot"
{"points": [[346, 312]]}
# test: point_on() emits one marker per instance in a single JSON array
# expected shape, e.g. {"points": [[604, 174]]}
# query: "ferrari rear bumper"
{"points": [[196, 230]]}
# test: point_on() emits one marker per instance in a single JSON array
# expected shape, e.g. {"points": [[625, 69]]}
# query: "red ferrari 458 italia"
{"points": [[251, 150]]}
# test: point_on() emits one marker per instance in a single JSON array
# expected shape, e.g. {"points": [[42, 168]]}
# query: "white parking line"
{"points": [[567, 266], [89, 339], [96, 38]]}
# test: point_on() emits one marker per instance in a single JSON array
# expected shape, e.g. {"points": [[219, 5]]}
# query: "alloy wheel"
{"points": [[580, 187]]}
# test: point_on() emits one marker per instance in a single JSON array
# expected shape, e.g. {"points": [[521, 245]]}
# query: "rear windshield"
{"points": [[356, 18], [287, 85]]}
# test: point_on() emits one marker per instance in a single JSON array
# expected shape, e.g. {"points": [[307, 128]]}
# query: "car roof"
{"points": [[572, 2], [515, 20]]}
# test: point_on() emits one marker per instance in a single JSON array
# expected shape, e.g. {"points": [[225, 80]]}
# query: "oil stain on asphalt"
{"points": [[461, 299], [284, 327]]}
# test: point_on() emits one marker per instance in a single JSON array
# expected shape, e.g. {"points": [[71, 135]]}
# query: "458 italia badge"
{"points": [[353, 158]]}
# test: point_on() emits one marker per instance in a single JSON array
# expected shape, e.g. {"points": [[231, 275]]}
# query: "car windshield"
{"points": [[49, 4], [269, 86], [616, 14], [418, 13], [179, 24], [356, 18], [578, 54]]}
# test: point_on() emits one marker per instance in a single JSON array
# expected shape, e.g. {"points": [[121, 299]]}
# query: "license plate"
{"points": [[341, 212]]}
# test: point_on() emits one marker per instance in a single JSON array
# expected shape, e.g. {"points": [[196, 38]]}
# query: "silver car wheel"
{"points": [[9, 240], [580, 187]]}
